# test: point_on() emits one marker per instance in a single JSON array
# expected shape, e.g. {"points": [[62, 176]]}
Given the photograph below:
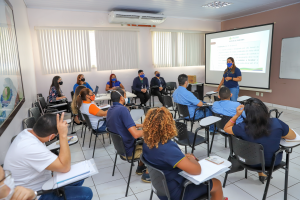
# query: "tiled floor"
{"points": [[108, 187]]}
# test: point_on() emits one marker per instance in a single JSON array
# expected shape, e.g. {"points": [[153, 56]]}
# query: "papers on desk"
{"points": [[209, 170], [78, 172], [297, 139], [104, 106], [211, 92]]}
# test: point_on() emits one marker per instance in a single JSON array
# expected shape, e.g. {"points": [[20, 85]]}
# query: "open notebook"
{"points": [[209, 170], [297, 139]]}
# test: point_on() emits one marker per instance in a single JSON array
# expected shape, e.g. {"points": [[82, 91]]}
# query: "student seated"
{"points": [[119, 121], [225, 106], [81, 81], [164, 154], [161, 86], [86, 104], [74, 104], [55, 93], [141, 85], [31, 163], [113, 83], [258, 127], [9, 191]]}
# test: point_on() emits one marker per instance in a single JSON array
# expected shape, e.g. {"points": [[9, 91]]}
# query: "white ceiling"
{"points": [[175, 8]]}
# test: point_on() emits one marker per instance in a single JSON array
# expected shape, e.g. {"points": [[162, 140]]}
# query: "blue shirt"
{"points": [[114, 84], [118, 121], [277, 129], [231, 83], [228, 108], [165, 158], [85, 84]]}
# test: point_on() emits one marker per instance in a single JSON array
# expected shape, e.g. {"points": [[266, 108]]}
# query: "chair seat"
{"points": [[185, 142], [281, 165]]}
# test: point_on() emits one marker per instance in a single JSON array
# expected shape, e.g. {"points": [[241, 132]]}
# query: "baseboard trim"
{"points": [[282, 107]]}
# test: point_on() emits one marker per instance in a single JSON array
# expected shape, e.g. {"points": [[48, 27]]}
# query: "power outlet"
{"points": [[257, 93], [261, 94]]}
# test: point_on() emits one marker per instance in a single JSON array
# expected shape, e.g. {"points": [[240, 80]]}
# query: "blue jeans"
{"points": [[102, 128], [74, 191], [235, 93]]}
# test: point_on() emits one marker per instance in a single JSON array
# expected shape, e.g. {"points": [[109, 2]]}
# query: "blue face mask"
{"points": [[158, 75], [113, 79], [142, 76], [229, 64]]}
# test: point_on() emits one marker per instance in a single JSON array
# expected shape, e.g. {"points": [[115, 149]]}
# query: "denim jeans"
{"points": [[235, 93], [74, 191], [102, 128]]}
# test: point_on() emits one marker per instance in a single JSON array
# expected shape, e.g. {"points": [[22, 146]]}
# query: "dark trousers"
{"points": [[159, 94], [144, 97]]}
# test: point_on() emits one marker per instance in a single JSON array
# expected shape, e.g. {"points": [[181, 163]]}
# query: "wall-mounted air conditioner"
{"points": [[121, 17]]}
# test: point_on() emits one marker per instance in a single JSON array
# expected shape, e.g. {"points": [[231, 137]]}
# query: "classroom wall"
{"points": [[27, 68], [284, 91], [45, 17]]}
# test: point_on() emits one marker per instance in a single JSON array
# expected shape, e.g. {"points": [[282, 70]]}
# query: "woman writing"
{"points": [[232, 75], [164, 154], [113, 83], [55, 93], [81, 81], [258, 127]]}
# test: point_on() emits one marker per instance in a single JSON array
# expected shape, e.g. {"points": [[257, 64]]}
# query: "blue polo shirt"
{"points": [[85, 84], [118, 121], [228, 108], [114, 84], [230, 83], [277, 129]]}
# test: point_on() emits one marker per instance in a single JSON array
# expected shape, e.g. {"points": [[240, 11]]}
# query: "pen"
{"points": [[70, 139]]}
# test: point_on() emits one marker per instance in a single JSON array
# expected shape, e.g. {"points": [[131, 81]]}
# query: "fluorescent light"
{"points": [[216, 4]]}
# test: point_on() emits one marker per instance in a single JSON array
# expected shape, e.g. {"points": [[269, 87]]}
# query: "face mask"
{"points": [[93, 98], [10, 183], [83, 79], [60, 83], [229, 64], [142, 76], [126, 100], [158, 75], [113, 79]]}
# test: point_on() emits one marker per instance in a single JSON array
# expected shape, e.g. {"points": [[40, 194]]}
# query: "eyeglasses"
{"points": [[7, 173]]}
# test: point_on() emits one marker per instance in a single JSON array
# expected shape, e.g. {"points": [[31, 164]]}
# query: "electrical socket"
{"points": [[261, 94], [257, 93]]}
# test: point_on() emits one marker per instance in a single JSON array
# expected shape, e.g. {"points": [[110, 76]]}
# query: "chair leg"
{"points": [[185, 150], [192, 124], [151, 195], [207, 136], [91, 139], [95, 144], [212, 141], [246, 173], [225, 179], [225, 142], [103, 138], [267, 187], [115, 165], [84, 136], [129, 177], [81, 130]]}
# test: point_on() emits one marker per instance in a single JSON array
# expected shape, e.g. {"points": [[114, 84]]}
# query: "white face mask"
{"points": [[10, 183], [126, 100]]}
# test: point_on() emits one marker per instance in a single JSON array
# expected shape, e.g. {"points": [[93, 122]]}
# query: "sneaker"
{"points": [[140, 169], [146, 178]]}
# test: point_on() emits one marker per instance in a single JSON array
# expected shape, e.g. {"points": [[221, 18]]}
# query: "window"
{"points": [[176, 49]]}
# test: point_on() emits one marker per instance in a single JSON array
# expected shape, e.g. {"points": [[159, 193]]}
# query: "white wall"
{"points": [[45, 17], [27, 68]]}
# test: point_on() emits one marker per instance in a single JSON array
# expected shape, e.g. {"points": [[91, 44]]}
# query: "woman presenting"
{"points": [[231, 77]]}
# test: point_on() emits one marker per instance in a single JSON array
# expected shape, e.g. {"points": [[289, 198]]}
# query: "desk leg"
{"points": [[208, 190], [286, 174]]}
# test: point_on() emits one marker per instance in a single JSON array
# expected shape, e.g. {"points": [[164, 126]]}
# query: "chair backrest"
{"points": [[35, 112], [72, 94], [248, 153], [80, 117], [224, 119], [39, 95], [171, 85], [88, 121], [167, 101], [196, 94], [11, 141], [136, 114], [133, 91], [146, 108], [181, 130], [189, 87], [96, 89], [118, 143], [183, 111], [69, 108], [29, 122], [216, 98], [42, 102], [158, 180]]}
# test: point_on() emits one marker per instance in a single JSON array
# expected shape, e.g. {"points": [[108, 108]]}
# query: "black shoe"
{"points": [[140, 169], [146, 178], [262, 179]]}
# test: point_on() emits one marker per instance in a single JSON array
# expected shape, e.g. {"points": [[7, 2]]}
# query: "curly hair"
{"points": [[159, 127]]}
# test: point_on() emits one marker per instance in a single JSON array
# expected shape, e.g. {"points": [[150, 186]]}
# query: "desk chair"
{"points": [[84, 124], [170, 87], [72, 117], [134, 92], [188, 138], [152, 96], [249, 153], [216, 99], [39, 95], [168, 103], [196, 94], [35, 112], [49, 108], [94, 131], [28, 122], [72, 94], [137, 114], [120, 150], [159, 183]]}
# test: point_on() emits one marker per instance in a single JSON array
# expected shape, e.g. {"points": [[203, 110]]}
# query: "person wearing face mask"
{"points": [[86, 105], [9, 191], [141, 87], [113, 83], [31, 162], [55, 93], [119, 121], [232, 75], [160, 82], [81, 81]]}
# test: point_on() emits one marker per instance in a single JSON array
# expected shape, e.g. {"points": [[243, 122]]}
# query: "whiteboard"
{"points": [[290, 58]]}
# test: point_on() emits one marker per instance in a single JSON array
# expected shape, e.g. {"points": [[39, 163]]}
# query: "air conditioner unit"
{"points": [[121, 17]]}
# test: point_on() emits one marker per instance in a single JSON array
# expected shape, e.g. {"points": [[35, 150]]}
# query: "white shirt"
{"points": [[27, 158]]}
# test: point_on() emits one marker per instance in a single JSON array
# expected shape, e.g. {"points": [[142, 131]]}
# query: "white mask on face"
{"points": [[126, 100], [10, 183]]}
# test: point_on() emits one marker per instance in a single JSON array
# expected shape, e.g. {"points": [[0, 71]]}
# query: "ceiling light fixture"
{"points": [[216, 4]]}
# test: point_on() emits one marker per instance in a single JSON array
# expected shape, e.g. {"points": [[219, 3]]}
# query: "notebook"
{"points": [[209, 170], [297, 139]]}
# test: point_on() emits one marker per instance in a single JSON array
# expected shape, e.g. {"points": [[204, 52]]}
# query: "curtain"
{"points": [[176, 49], [64, 51], [116, 49]]}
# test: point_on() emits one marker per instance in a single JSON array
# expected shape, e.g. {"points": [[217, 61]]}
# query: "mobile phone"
{"points": [[215, 160]]}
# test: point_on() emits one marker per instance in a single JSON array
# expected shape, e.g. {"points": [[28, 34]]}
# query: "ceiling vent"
{"points": [[121, 17]]}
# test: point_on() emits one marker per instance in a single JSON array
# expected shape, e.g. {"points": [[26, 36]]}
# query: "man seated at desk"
{"points": [[31, 163], [160, 84]]}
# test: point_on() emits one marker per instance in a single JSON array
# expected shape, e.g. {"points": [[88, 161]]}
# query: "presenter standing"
{"points": [[232, 75]]}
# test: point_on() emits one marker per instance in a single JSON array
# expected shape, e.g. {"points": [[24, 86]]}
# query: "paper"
{"points": [[297, 139], [104, 106], [211, 92]]}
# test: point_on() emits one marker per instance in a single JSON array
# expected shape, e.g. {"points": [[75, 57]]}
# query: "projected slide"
{"points": [[248, 50]]}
